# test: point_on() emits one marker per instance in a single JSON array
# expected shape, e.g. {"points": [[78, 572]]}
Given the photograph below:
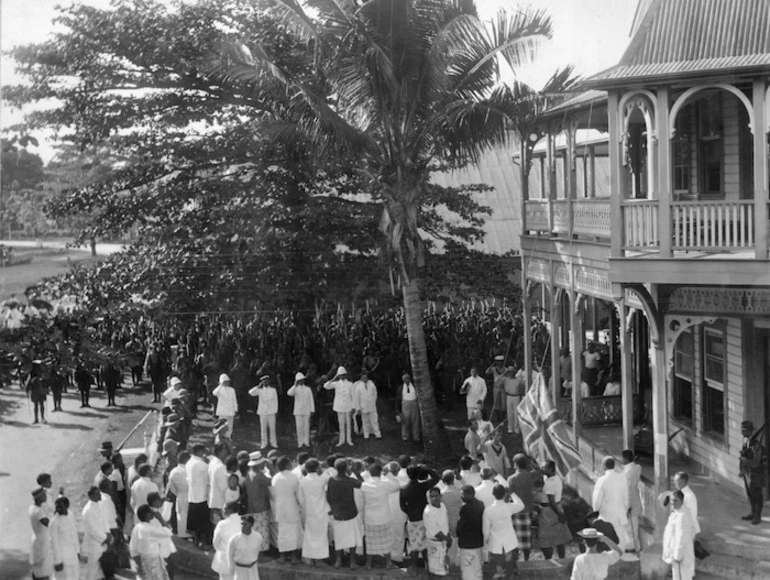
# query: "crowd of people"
{"points": [[343, 511]]}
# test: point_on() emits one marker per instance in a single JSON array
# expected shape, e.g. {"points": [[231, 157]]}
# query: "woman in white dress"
{"points": [[65, 544], [678, 540], [40, 556], [315, 513]]}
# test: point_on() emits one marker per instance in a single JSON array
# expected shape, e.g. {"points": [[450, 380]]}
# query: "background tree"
{"points": [[414, 84]]}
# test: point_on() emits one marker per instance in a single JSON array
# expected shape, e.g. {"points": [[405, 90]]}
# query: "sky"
{"points": [[590, 34]]}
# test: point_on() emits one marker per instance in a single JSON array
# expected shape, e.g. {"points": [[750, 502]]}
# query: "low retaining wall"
{"points": [[190, 559]]}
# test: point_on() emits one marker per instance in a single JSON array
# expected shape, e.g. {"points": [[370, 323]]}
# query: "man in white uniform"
{"points": [[142, 487], [227, 402], [475, 390], [180, 487], [365, 404], [343, 403], [304, 406], [267, 409], [217, 483], [610, 499]]}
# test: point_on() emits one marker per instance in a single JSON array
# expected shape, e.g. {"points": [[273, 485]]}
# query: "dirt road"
{"points": [[66, 447]]}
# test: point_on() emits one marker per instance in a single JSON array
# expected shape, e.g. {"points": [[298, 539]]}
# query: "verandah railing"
{"points": [[709, 225]]}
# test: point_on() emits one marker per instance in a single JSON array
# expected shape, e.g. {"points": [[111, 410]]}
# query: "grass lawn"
{"points": [[45, 262]]}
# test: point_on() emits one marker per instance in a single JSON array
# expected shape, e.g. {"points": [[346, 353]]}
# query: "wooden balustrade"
{"points": [[640, 224], [596, 411], [591, 217], [536, 216], [561, 216], [712, 225]]}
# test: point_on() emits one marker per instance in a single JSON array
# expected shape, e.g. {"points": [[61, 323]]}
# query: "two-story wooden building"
{"points": [[645, 206]]}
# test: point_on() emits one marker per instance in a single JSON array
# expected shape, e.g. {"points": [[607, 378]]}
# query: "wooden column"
{"points": [[626, 376], [555, 332], [760, 170], [570, 192], [664, 172], [527, 315], [659, 422], [616, 167], [577, 362], [524, 181], [591, 191], [551, 163]]}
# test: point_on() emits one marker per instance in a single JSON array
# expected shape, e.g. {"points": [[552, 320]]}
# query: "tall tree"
{"points": [[414, 84]]}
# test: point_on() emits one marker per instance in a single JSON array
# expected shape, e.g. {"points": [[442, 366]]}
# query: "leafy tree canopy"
{"points": [[228, 203]]}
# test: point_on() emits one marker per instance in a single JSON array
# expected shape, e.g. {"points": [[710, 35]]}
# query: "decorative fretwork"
{"points": [[591, 217], [593, 282], [561, 276], [720, 300], [632, 299], [538, 269]]}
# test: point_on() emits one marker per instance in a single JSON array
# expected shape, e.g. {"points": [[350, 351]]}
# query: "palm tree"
{"points": [[403, 86]]}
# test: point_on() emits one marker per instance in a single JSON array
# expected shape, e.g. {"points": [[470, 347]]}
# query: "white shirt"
{"points": [[243, 549], [217, 483], [94, 529], [633, 473], [497, 526], [408, 392], [285, 490], [304, 402], [475, 389], [435, 520], [691, 504], [64, 539], [140, 490], [108, 511], [610, 498], [198, 480], [170, 394], [147, 539], [227, 402], [468, 477], [365, 397], [377, 492], [224, 532], [554, 486], [484, 492], [343, 395], [268, 400], [178, 484]]}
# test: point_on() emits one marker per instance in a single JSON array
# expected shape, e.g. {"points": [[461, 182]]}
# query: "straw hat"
{"points": [[299, 377], [590, 533], [176, 381]]}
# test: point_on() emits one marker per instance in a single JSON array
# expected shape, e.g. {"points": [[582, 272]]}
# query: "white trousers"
{"points": [[512, 404], [303, 429], [344, 421], [230, 425], [371, 424], [93, 570], [267, 422]]}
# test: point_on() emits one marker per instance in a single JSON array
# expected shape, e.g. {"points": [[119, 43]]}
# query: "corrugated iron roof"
{"points": [[690, 36], [577, 102]]}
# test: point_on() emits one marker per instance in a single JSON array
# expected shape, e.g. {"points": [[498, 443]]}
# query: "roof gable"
{"points": [[681, 36]]}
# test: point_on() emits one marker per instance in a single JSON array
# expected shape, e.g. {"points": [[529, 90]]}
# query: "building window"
{"points": [[714, 368], [711, 144], [682, 153], [684, 357]]}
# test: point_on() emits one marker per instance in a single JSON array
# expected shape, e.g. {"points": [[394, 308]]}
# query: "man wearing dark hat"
{"points": [[753, 470]]}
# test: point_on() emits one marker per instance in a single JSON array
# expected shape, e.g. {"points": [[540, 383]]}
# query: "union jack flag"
{"points": [[545, 434]]}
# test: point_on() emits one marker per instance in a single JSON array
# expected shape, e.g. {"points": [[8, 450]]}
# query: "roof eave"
{"points": [[677, 77]]}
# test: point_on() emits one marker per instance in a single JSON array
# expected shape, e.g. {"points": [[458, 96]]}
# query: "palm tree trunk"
{"points": [[434, 436]]}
